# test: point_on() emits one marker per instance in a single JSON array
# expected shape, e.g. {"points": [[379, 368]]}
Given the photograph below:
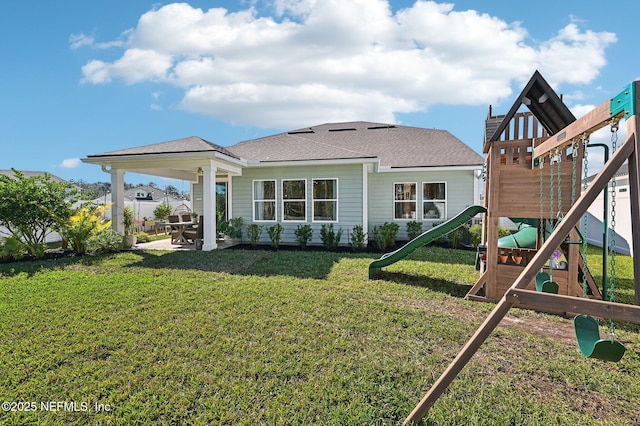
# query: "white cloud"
{"points": [[70, 163], [77, 41], [318, 64]]}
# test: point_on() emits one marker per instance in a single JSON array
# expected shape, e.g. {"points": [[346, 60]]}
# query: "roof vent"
{"points": [[346, 129], [299, 132], [386, 126]]}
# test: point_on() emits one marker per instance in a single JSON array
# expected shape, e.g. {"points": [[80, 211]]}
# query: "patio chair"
{"points": [[174, 218], [186, 217], [197, 232]]}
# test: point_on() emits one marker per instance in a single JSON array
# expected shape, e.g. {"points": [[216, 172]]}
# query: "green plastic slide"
{"points": [[526, 237], [425, 238]]}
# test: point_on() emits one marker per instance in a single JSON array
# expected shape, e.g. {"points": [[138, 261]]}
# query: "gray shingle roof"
{"points": [[28, 174], [190, 144], [395, 145]]}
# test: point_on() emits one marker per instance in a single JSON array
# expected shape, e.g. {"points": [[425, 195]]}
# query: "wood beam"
{"points": [[530, 299], [633, 128], [502, 308], [589, 123]]}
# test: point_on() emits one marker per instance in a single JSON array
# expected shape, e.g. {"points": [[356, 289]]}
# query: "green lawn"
{"points": [[279, 338]]}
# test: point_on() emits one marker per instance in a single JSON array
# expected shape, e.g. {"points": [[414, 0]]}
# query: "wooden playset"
{"points": [[534, 165], [542, 193]]}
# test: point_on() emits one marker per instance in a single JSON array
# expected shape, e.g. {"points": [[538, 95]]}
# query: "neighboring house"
{"points": [[623, 214], [345, 174], [143, 200], [51, 236]]}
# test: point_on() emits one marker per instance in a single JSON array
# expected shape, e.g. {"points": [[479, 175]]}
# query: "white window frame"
{"points": [[393, 213], [313, 201], [446, 204], [296, 200], [275, 200]]}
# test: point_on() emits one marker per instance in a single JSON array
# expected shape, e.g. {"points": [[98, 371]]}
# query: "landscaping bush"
{"points": [[162, 211], [414, 229], [503, 231], [231, 228], [303, 233], [358, 238], [11, 248], [275, 234], [82, 225], [31, 206], [235, 227], [107, 241], [385, 235], [330, 238], [142, 237], [253, 233], [456, 237], [476, 234]]}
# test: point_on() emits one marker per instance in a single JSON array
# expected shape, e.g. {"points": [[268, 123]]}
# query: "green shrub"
{"points": [[414, 229], [503, 231], [385, 235], [11, 248], [142, 237], [358, 238], [162, 211], [82, 225], [254, 232], [235, 227], [330, 238], [31, 206], [303, 233], [231, 228], [476, 234], [456, 237], [107, 241], [275, 234]]}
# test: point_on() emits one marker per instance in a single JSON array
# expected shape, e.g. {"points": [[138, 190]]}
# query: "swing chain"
{"points": [[585, 218], [612, 234], [559, 162]]}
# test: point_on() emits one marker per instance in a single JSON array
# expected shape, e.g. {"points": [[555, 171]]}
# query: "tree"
{"points": [[29, 206], [162, 211]]}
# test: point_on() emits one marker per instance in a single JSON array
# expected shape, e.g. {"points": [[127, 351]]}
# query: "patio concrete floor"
{"points": [[165, 244]]}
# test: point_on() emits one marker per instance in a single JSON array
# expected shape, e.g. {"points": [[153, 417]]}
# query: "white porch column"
{"points": [[209, 205], [117, 200]]}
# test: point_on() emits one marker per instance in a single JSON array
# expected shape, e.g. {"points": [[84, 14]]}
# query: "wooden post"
{"points": [[633, 128], [503, 306]]}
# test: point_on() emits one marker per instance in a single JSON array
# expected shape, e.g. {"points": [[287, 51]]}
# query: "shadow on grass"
{"points": [[299, 264], [435, 284]]}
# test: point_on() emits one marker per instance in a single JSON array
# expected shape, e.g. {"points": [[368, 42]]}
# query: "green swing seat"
{"points": [[591, 345], [544, 284]]}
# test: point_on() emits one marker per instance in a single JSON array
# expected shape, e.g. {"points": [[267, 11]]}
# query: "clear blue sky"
{"points": [[84, 77]]}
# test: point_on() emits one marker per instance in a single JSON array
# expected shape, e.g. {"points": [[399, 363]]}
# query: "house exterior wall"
{"points": [[350, 186], [623, 218], [460, 193]]}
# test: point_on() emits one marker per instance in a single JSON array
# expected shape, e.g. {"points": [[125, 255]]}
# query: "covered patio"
{"points": [[191, 159]]}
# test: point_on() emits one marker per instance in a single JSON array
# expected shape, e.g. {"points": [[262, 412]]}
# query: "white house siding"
{"points": [[349, 197], [623, 218], [460, 194], [196, 196]]}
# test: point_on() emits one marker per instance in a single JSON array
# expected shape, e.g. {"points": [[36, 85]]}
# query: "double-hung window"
{"points": [[434, 200], [404, 200], [325, 200], [264, 200], [294, 200]]}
